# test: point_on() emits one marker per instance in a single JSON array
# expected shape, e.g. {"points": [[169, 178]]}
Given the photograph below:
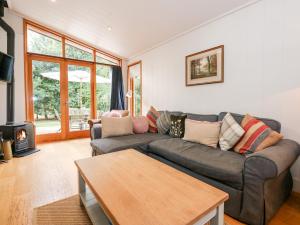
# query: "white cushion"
{"points": [[116, 126], [231, 132], [202, 132]]}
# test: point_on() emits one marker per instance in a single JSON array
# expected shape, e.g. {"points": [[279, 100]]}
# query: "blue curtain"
{"points": [[117, 100]]}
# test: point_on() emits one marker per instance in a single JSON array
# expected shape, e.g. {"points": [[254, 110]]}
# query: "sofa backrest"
{"points": [[194, 116], [273, 124], [200, 117]]}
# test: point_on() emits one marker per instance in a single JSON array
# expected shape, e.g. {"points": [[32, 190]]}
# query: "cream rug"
{"points": [[64, 212]]}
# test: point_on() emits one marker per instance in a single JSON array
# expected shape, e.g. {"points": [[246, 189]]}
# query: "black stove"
{"points": [[22, 137]]}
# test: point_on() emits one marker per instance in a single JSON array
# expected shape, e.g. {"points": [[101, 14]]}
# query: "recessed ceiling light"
{"points": [[109, 28], [53, 0]]}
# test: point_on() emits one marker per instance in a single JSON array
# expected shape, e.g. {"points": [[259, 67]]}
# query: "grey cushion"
{"points": [[210, 118], [137, 141], [163, 122], [224, 166], [273, 124]]}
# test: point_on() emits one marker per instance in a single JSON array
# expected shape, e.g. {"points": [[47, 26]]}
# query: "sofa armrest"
{"points": [[261, 167], [272, 161], [96, 131]]}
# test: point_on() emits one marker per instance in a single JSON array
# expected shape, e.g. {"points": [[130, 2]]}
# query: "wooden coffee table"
{"points": [[128, 188]]}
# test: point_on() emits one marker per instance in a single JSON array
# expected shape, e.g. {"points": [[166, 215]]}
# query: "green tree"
{"points": [[47, 91]]}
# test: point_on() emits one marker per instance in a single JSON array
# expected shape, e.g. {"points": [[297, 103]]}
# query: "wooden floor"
{"points": [[50, 175]]}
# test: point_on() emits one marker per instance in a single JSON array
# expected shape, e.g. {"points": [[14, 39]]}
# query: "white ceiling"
{"points": [[136, 24]]}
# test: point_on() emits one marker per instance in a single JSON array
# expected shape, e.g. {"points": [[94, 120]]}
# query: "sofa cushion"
{"points": [[152, 116], [231, 132], [177, 126], [137, 141], [224, 166], [202, 132], [163, 122], [116, 126], [273, 124], [258, 136], [140, 125]]}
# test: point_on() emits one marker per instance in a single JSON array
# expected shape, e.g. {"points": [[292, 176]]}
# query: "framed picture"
{"points": [[205, 67]]}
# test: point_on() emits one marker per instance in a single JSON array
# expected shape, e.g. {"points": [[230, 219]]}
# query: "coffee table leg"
{"points": [[219, 217], [82, 189]]}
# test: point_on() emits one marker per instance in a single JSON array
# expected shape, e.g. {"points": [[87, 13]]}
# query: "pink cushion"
{"points": [[140, 124]]}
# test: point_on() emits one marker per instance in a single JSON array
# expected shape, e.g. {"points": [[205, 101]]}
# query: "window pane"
{"points": [[46, 97], [103, 89], [101, 58], [43, 43], [74, 51], [135, 100], [137, 95], [79, 87]]}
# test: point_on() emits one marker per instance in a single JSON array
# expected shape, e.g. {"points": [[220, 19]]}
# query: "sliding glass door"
{"points": [[80, 110], [103, 89], [46, 97], [62, 98], [46, 105], [67, 83]]}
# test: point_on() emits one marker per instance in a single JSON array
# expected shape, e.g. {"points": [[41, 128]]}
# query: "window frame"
{"points": [[113, 61], [27, 24], [130, 87], [80, 48], [96, 115], [46, 34], [64, 38]]}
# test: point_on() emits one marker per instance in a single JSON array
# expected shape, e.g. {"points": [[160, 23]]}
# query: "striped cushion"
{"points": [[152, 116], [231, 132], [258, 136], [164, 122]]}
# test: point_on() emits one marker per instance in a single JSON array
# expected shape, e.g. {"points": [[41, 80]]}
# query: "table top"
{"points": [[133, 188]]}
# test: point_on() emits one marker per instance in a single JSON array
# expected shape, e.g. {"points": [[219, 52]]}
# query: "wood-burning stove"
{"points": [[22, 137], [21, 134]]}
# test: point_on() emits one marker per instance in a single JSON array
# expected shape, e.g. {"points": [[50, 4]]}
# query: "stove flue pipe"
{"points": [[10, 102]]}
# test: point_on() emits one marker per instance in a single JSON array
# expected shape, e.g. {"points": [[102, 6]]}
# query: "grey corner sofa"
{"points": [[257, 184]]}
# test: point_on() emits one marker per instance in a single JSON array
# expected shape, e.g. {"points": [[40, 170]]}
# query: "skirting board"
{"points": [[296, 186]]}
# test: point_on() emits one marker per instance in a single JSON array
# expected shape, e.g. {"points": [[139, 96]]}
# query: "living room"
{"points": [[150, 112]]}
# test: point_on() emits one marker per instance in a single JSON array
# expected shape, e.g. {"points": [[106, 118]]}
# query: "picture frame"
{"points": [[205, 67]]}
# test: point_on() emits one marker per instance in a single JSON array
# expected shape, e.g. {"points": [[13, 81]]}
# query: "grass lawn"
{"points": [[47, 123]]}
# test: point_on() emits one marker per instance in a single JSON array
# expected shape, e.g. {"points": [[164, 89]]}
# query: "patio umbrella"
{"points": [[80, 76], [77, 76]]}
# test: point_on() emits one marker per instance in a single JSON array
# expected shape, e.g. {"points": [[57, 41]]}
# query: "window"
{"points": [[101, 58], [134, 94], [75, 51], [46, 96], [44, 41], [103, 89], [41, 42], [67, 83], [79, 97], [137, 95]]}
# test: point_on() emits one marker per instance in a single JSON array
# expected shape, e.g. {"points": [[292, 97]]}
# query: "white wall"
{"points": [[17, 23], [262, 68]]}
